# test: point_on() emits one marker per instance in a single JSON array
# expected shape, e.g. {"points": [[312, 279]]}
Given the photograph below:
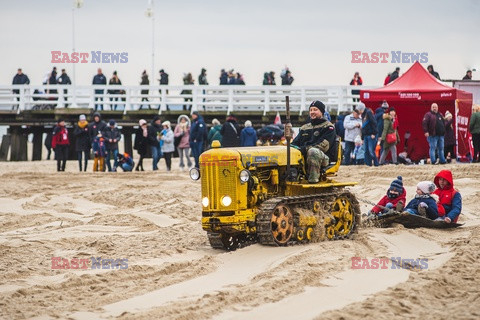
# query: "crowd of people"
{"points": [[115, 95], [97, 138], [230, 77], [190, 137], [370, 137]]}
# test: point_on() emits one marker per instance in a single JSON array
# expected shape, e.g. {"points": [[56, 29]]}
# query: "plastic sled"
{"points": [[413, 221]]}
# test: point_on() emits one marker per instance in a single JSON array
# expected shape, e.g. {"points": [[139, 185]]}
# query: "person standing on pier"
{"points": [[60, 144], [433, 72], [99, 79], [468, 75], [286, 76], [272, 78], [232, 77], [114, 81], [187, 81], [144, 92], [240, 79], [19, 78], [356, 81], [223, 77], [64, 79], [394, 75], [52, 81], [163, 82], [163, 78], [202, 78]]}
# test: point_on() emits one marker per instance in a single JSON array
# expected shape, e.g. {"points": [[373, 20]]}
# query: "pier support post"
{"points": [[19, 144], [37, 143], [6, 141], [127, 136]]}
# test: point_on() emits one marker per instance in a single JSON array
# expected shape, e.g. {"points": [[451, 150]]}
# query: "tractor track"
{"points": [[264, 215]]}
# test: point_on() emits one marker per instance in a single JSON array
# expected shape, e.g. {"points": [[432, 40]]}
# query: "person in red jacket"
{"points": [[449, 199], [60, 144], [387, 79], [394, 199]]}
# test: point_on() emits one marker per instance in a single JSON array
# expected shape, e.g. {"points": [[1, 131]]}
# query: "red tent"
{"points": [[412, 95]]}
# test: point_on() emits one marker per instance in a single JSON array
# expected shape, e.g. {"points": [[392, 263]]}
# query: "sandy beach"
{"points": [[150, 221]]}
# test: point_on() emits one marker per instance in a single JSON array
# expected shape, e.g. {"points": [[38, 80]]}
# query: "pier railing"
{"points": [[228, 98]]}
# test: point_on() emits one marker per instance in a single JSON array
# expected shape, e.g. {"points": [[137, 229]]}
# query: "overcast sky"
{"points": [[314, 38]]}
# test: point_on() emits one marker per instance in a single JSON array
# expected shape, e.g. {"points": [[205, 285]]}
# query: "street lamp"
{"points": [[149, 13], [77, 4]]}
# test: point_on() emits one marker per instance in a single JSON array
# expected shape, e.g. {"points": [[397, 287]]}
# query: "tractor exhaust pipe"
{"points": [[288, 136]]}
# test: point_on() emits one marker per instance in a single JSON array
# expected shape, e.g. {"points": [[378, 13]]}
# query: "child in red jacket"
{"points": [[60, 144], [394, 199], [449, 199]]}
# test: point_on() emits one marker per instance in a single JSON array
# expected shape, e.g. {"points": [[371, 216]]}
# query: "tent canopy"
{"points": [[412, 95]]}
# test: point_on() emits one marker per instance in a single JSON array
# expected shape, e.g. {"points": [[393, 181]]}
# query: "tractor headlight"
{"points": [[205, 202], [226, 201], [194, 173], [244, 176]]}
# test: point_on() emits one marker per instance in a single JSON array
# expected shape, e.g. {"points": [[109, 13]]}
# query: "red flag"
{"points": [[277, 119]]}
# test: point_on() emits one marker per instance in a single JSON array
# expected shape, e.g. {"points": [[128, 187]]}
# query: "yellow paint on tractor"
{"points": [[230, 205]]}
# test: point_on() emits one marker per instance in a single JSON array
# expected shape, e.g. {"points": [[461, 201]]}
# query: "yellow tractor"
{"points": [[262, 194]]}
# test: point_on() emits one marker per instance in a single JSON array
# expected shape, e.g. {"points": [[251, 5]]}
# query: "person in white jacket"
{"points": [[353, 128], [168, 147]]}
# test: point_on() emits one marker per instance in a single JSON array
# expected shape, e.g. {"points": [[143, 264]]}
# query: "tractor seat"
{"points": [[336, 154]]}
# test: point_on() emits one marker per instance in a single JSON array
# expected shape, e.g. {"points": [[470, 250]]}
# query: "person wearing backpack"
{"points": [[230, 133], [214, 133]]}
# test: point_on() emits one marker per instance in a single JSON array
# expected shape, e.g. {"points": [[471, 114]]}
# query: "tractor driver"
{"points": [[316, 140]]}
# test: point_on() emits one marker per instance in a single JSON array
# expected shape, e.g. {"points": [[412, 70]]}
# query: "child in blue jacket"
{"points": [[99, 152], [125, 162], [424, 204]]}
